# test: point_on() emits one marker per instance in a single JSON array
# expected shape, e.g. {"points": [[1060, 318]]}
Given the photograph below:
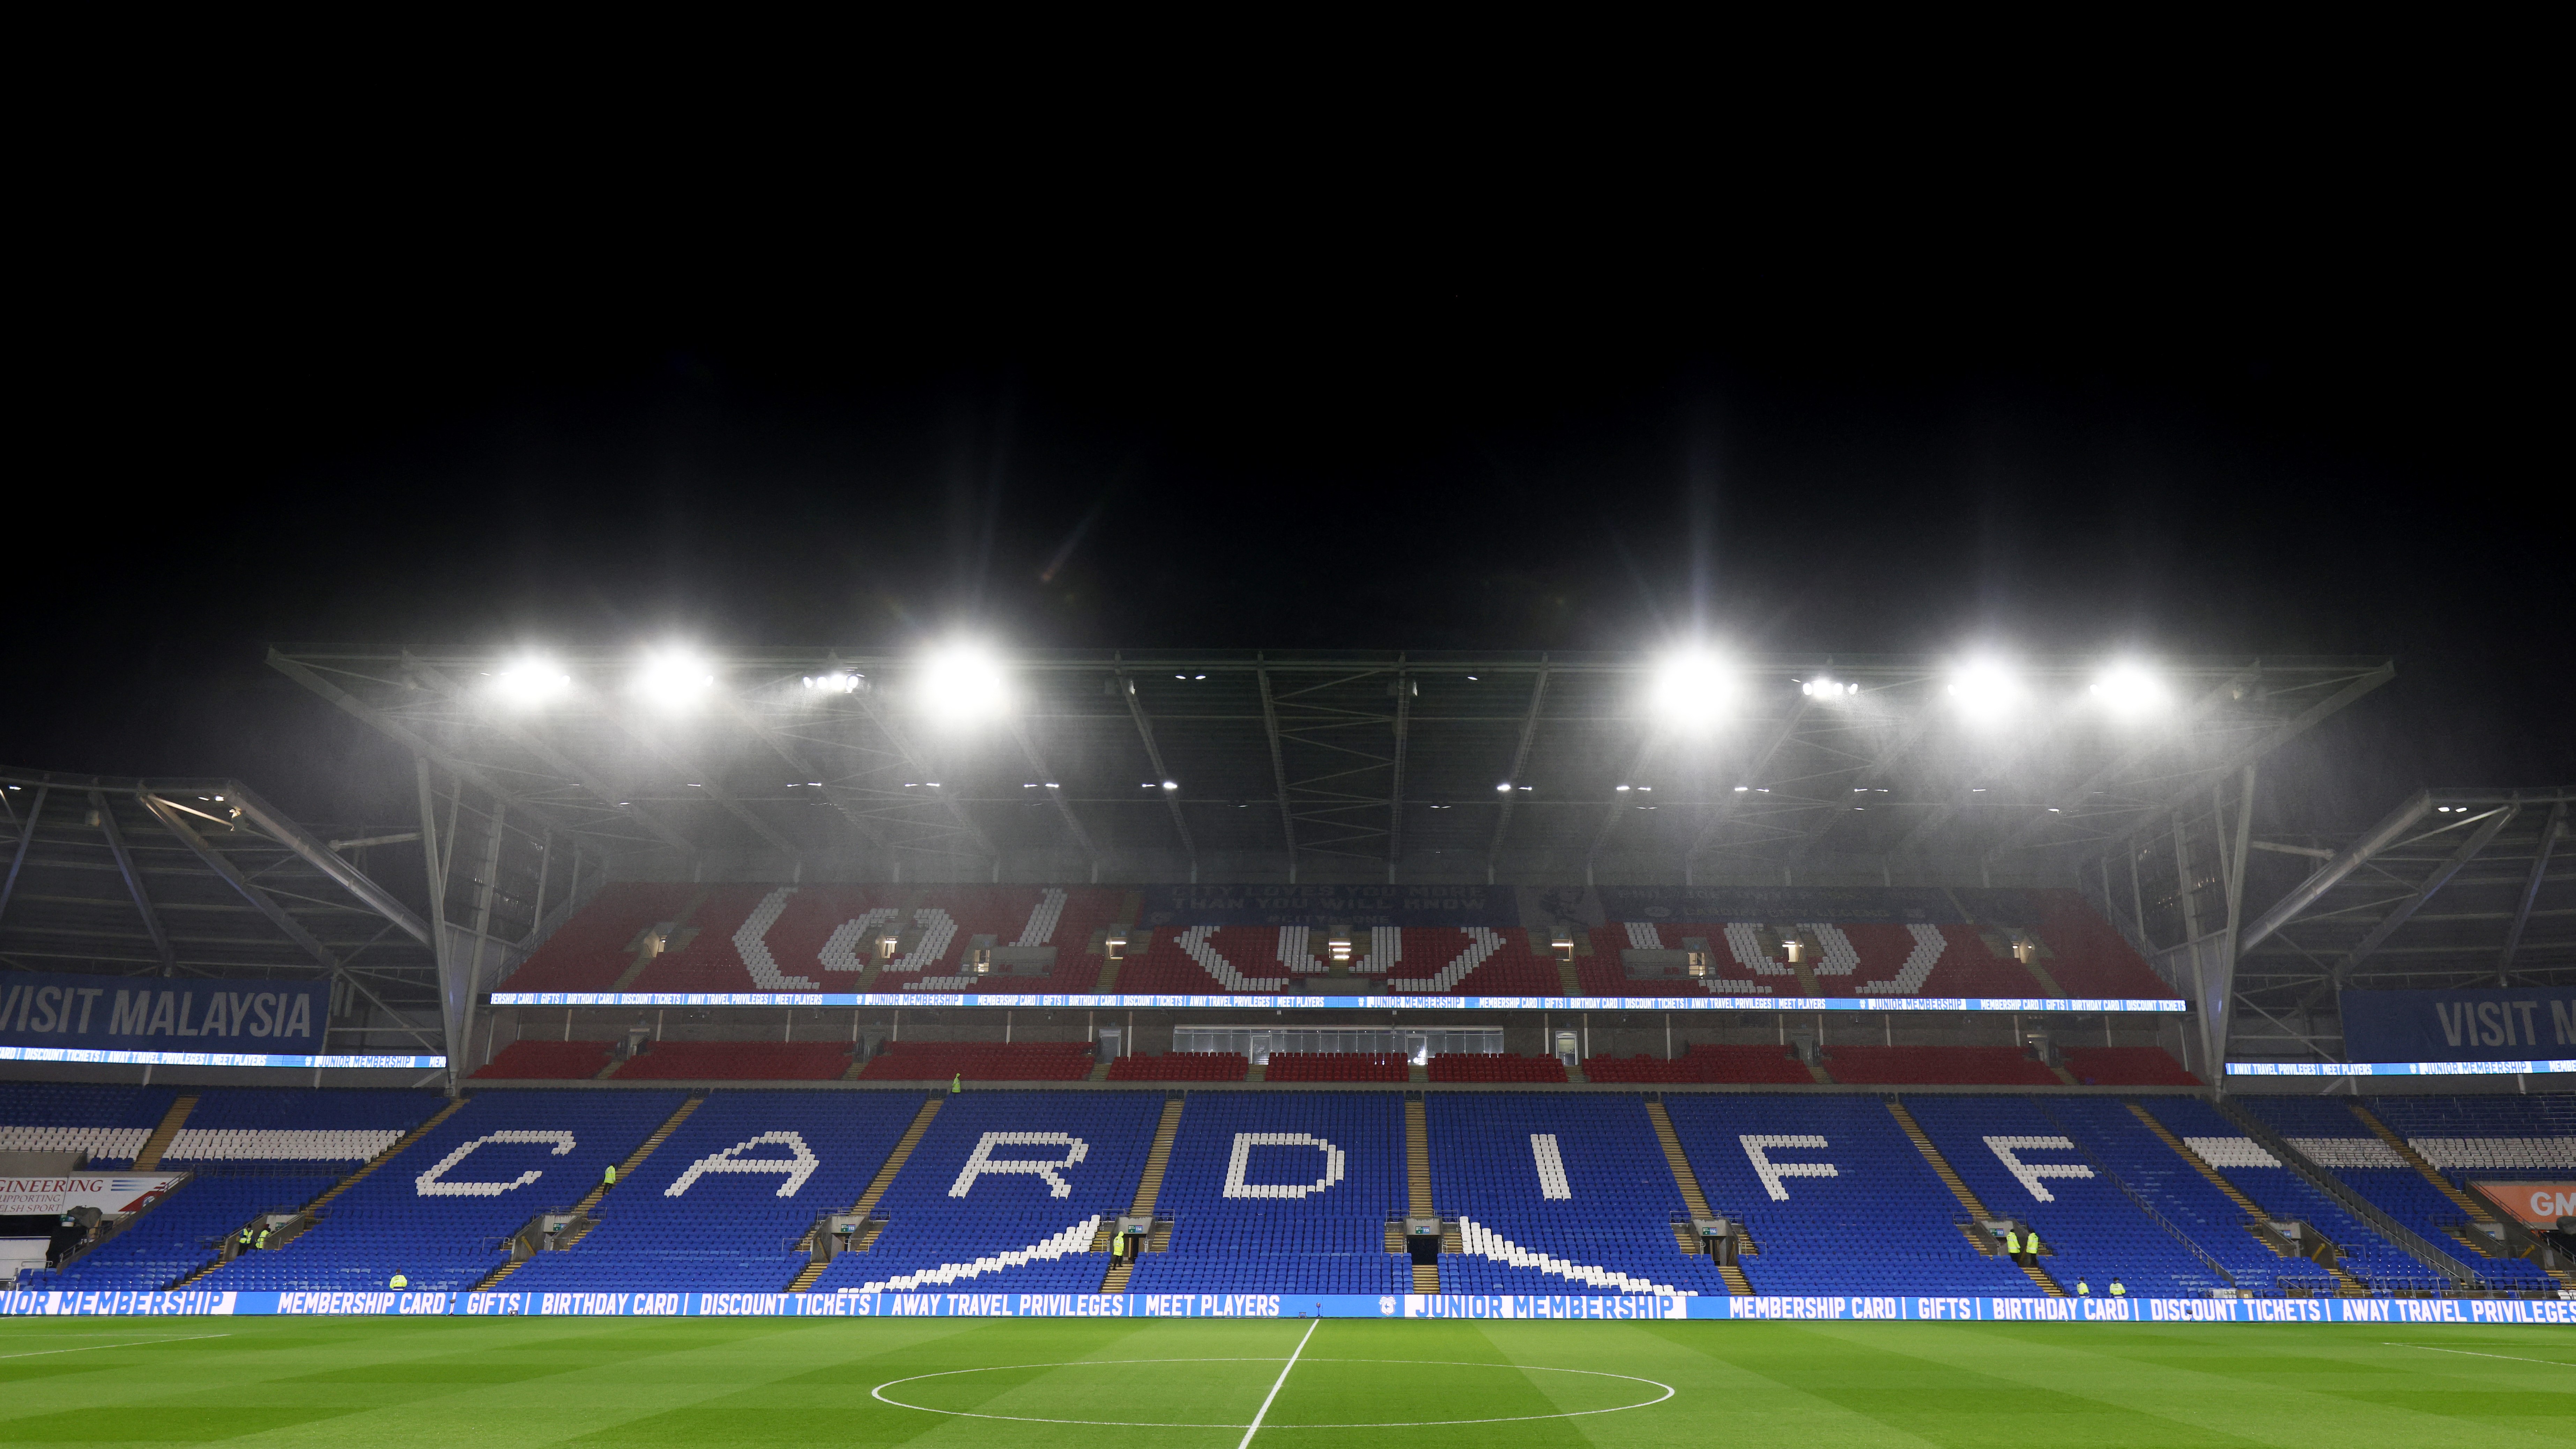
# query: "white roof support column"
{"points": [[2550, 830], [134, 882]]}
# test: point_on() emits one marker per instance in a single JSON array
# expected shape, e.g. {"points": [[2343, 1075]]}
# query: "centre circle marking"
{"points": [[878, 1393]]}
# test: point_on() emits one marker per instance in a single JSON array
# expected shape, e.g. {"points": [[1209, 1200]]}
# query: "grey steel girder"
{"points": [[133, 880]]}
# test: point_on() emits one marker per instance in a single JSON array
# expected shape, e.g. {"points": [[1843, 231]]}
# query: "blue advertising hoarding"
{"points": [[162, 1013], [2459, 1026]]}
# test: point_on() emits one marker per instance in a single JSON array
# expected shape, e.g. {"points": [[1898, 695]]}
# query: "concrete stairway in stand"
{"points": [[1692, 1198], [159, 1142], [876, 1189], [1959, 1189], [1417, 1182], [1149, 1186]]}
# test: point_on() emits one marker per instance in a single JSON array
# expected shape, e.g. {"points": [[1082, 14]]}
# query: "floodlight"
{"points": [[963, 683], [1505, 787], [673, 678], [528, 683], [2130, 690], [1822, 688], [1985, 690], [836, 682], [1690, 687], [1171, 784]]}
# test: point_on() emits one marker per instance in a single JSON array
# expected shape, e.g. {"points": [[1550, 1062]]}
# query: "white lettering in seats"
{"points": [[2030, 1173], [1551, 1167], [1757, 1144], [796, 1169], [983, 1161], [429, 1183], [1241, 1161]]}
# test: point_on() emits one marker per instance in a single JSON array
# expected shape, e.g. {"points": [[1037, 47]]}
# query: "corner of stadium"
{"points": [[776, 1045]]}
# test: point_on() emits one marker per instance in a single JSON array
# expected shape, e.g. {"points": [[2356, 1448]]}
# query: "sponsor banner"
{"points": [[2469, 1026], [2401, 1069], [2533, 1204], [113, 1193], [208, 1059], [2085, 1005], [159, 1013], [1535, 1307], [1331, 905], [1855, 906]]}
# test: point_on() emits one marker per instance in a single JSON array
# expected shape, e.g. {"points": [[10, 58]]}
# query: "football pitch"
{"points": [[1280, 1383]]}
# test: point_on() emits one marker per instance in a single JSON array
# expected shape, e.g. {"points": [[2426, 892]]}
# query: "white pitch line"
{"points": [[1255, 1427], [94, 1347], [2473, 1353]]}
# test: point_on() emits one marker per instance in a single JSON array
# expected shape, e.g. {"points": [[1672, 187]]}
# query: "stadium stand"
{"points": [[1408, 961], [1283, 1193], [980, 1061], [441, 1210], [593, 948], [1922, 1066], [1338, 1067], [2139, 1066], [2281, 1192], [2469, 1137], [1494, 1067], [2114, 1138], [1558, 1193], [738, 1061], [1182, 1067], [721, 1205], [2021, 1164], [1704, 1062], [295, 1129], [109, 1122], [1006, 1193], [180, 1232], [1836, 1198], [545, 1061]]}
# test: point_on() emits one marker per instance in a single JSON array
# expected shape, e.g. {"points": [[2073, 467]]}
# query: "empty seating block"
{"points": [[1005, 1194], [1703, 1063], [2283, 1193], [721, 1205], [541, 1061], [180, 1233], [1567, 1194], [1933, 1066], [2114, 1137], [1282, 1192], [592, 949], [939, 1061], [1181, 1067], [2142, 1066], [1835, 1196], [109, 1122], [1495, 1067], [2021, 1163], [738, 1061], [1338, 1067], [295, 1129], [440, 1211], [1417, 961]]}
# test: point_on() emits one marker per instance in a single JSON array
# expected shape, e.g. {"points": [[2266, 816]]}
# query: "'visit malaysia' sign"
{"points": [[162, 1013]]}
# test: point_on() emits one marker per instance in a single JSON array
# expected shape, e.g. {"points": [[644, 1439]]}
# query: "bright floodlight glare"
{"points": [[1986, 690], [673, 678], [837, 682], [2130, 689], [1691, 687], [963, 683], [1821, 687], [527, 683]]}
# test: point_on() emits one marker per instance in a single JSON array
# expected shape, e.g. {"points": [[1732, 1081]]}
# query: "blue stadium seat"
{"points": [[1283, 1216]]}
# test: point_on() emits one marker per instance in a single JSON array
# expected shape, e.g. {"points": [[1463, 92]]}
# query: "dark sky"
{"points": [[2255, 431]]}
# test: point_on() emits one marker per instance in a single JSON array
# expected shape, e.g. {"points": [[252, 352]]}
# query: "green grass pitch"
{"points": [[950, 1383]]}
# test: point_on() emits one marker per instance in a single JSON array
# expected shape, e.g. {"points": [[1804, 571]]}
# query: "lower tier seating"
{"points": [[1283, 1193], [2137, 1066], [180, 1233], [1494, 1067], [1567, 1194], [1704, 1062]]}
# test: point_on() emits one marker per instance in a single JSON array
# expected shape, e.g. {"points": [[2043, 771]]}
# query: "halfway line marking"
{"points": [[1274, 1387], [2517, 1358], [137, 1343]]}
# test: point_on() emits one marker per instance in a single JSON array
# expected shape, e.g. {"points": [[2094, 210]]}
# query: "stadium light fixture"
{"points": [[1691, 687], [1821, 687], [1986, 691], [963, 683], [836, 682], [674, 679], [2130, 690], [531, 682]]}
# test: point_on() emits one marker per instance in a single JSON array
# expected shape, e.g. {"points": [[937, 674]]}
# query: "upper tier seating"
{"points": [[1405, 961], [1338, 1067], [109, 1122], [1568, 1194], [296, 1128], [1182, 1067], [2326, 1131], [1934, 1066], [1704, 1062], [2080, 952], [738, 1061], [1845, 1204], [593, 948], [546, 1061], [1286, 1192], [980, 1061], [720, 1206], [2283, 1193], [2086, 954], [2136, 1066], [2021, 1164], [1006, 1193], [817, 938], [180, 1232], [441, 1210], [1494, 1067]]}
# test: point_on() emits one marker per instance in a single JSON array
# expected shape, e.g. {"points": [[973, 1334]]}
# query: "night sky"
{"points": [[2307, 440]]}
